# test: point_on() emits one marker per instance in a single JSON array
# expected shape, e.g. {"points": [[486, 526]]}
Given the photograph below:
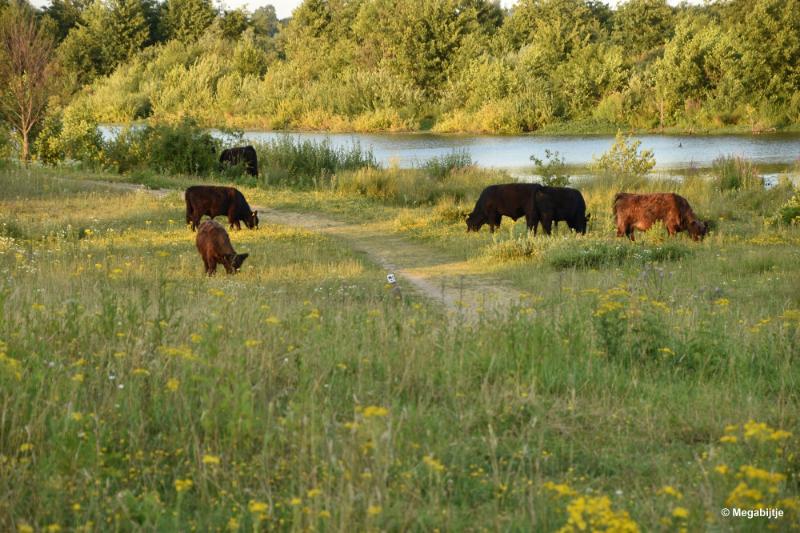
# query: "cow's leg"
{"points": [[672, 229], [629, 232], [211, 268], [547, 225], [226, 262]]}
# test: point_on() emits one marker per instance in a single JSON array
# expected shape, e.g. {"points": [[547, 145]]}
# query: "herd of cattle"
{"points": [[539, 204]]}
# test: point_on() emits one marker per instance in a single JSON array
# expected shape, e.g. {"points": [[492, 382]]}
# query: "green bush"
{"points": [[6, 143], [70, 135], [733, 173], [553, 170], [182, 148], [625, 162], [438, 167], [789, 213]]}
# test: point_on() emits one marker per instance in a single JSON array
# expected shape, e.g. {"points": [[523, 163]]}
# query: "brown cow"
{"points": [[215, 247], [213, 201], [640, 211]]}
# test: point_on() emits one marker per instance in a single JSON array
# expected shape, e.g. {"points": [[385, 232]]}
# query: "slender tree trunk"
{"points": [[25, 146]]}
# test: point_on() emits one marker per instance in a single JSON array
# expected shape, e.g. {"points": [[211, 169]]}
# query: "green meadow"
{"points": [[633, 387]]}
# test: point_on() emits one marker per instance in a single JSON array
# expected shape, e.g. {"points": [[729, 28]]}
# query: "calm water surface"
{"points": [[512, 152]]}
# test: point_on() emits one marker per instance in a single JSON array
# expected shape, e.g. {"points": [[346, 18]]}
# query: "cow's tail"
{"points": [[617, 198], [188, 208]]}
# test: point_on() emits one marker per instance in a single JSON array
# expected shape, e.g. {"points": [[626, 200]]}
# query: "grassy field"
{"points": [[640, 387]]}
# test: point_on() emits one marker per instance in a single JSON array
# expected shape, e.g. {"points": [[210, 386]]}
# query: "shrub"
{"points": [[6, 143], [182, 148], [439, 167], [70, 134], [624, 161], [553, 171], [789, 213], [732, 173]]}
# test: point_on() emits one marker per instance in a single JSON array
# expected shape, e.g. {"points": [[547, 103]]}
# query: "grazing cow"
{"points": [[640, 211], [553, 204], [213, 201], [511, 199], [215, 247], [241, 154]]}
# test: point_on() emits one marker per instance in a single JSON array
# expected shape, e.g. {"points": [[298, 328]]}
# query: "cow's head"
{"points": [[237, 261], [474, 221], [582, 223], [252, 221], [697, 229]]}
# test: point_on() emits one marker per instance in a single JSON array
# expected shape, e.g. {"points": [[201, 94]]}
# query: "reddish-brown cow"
{"points": [[640, 211], [215, 247]]}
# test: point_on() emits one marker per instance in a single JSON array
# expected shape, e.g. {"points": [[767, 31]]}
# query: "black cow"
{"points": [[241, 154], [511, 199], [560, 203], [213, 201]]}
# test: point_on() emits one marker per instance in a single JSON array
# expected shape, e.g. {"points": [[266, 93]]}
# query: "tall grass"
{"points": [[733, 173], [304, 163], [438, 167], [137, 394]]}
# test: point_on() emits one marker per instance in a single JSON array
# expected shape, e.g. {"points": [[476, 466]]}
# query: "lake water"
{"points": [[512, 152]]}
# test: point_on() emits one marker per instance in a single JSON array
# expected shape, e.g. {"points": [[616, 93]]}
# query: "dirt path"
{"points": [[417, 266], [424, 269]]}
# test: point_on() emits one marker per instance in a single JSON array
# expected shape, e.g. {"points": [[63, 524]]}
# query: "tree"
{"points": [[264, 21], [127, 31], [27, 68], [233, 23], [640, 25], [66, 14], [186, 20]]}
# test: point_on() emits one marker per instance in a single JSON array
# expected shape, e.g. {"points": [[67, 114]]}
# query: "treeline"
{"points": [[446, 65]]}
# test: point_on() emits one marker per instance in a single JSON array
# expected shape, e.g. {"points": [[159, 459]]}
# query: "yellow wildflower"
{"points": [[182, 485], [752, 472], [374, 510], [680, 512], [210, 459], [433, 464], [728, 438], [743, 496], [374, 410], [256, 507], [671, 491], [722, 469], [173, 384], [295, 501], [562, 489]]}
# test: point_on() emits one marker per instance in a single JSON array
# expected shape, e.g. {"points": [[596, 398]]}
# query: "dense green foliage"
{"points": [[449, 65]]}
